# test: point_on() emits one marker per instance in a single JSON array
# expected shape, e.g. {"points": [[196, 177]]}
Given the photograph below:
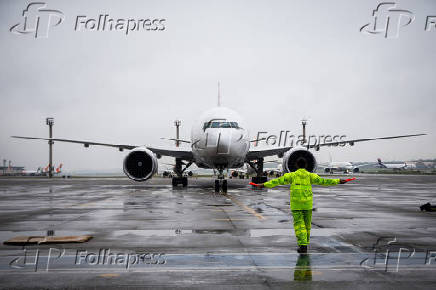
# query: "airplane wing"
{"points": [[121, 147], [351, 142], [264, 152], [174, 139], [176, 152]]}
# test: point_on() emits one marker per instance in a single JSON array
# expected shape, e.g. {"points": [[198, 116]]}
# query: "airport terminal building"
{"points": [[11, 170]]}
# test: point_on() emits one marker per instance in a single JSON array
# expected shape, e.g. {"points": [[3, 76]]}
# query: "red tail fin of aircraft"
{"points": [[58, 170]]}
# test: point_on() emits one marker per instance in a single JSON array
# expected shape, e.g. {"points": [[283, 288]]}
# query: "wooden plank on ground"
{"points": [[22, 240]]}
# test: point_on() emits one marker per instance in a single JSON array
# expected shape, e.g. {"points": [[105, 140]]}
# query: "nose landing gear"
{"points": [[221, 183]]}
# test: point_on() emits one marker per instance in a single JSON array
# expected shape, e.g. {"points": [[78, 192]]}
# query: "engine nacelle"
{"points": [[291, 157], [140, 164]]}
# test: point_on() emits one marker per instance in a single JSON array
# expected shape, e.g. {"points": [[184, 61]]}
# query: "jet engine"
{"points": [[140, 164], [291, 157]]}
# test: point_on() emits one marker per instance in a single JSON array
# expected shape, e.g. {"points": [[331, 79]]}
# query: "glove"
{"points": [[342, 181], [257, 185]]}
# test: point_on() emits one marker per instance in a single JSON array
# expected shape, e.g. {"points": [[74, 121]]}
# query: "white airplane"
{"points": [[274, 170], [240, 172], [219, 140], [395, 166], [247, 170], [342, 166], [168, 171], [32, 172]]}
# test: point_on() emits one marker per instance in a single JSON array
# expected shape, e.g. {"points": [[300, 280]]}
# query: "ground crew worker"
{"points": [[301, 198]]}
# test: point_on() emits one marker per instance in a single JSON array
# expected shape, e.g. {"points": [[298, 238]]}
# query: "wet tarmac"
{"points": [[366, 234]]}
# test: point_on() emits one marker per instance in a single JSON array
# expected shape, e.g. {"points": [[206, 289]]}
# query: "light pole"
{"points": [[50, 123], [177, 124], [304, 123]]}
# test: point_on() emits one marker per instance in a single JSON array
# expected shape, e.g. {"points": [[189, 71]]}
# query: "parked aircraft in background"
{"points": [[242, 173], [395, 166], [36, 172], [339, 166], [41, 171]]}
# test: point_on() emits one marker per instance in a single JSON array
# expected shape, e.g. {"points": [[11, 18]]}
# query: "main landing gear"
{"points": [[176, 180], [178, 170], [258, 167]]}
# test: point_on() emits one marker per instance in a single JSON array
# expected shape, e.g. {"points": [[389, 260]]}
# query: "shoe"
{"points": [[302, 249], [426, 207]]}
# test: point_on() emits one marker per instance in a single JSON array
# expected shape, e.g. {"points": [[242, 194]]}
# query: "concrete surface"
{"points": [[150, 235]]}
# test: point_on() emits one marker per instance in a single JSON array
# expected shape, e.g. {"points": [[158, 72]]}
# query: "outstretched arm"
{"points": [[316, 179], [282, 180], [342, 181], [285, 179]]}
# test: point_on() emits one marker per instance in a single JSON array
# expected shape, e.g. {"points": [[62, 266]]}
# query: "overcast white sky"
{"points": [[278, 61]]}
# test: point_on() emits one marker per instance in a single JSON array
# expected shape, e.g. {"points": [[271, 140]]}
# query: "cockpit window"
{"points": [[220, 124]]}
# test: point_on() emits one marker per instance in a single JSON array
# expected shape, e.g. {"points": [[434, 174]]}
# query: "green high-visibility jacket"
{"points": [[301, 187]]}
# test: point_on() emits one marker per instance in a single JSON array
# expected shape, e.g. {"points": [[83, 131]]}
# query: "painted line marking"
{"points": [[229, 220], [109, 275], [246, 208]]}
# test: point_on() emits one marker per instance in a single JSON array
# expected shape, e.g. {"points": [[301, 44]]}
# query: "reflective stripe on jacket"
{"points": [[301, 187]]}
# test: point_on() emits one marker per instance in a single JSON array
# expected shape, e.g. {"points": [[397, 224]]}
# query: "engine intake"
{"points": [[293, 156], [140, 164]]}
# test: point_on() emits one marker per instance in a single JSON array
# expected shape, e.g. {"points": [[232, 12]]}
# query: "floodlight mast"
{"points": [[50, 122]]}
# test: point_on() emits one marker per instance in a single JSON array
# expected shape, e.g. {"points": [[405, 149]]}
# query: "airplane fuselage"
{"points": [[394, 166], [341, 166], [219, 139]]}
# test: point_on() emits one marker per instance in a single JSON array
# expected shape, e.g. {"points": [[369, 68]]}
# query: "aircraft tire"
{"points": [[224, 186], [217, 185]]}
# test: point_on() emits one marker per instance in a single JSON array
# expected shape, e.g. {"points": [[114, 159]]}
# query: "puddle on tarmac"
{"points": [[151, 233], [236, 232], [5, 235]]}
